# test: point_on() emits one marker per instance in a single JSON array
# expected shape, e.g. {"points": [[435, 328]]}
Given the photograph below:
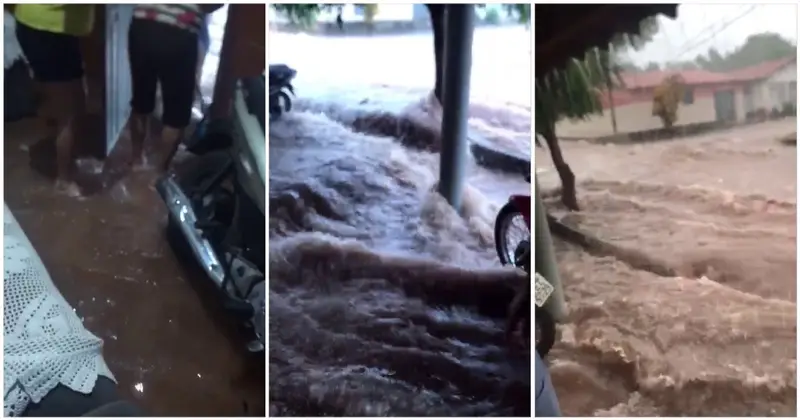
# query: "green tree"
{"points": [[572, 93], [757, 49], [652, 66], [492, 17], [303, 15]]}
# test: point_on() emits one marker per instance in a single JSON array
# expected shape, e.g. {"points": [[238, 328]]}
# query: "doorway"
{"points": [[725, 105]]}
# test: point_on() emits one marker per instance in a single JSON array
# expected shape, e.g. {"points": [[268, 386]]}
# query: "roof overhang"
{"points": [[565, 31]]}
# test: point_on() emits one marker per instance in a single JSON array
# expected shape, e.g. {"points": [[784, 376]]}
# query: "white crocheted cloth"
{"points": [[45, 343]]}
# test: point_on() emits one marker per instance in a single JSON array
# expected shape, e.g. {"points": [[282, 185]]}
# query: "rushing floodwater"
{"points": [[714, 334], [366, 262], [369, 274]]}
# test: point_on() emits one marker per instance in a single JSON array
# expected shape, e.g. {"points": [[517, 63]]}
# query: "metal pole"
{"points": [[458, 28], [545, 263]]}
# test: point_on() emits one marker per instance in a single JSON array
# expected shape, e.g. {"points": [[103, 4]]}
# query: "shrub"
{"points": [[789, 110], [492, 16]]}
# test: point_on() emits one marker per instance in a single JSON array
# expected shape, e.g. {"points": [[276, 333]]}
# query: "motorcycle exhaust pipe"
{"points": [[181, 211]]}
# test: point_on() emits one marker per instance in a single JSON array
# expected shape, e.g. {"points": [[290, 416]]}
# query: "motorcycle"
{"points": [[519, 255], [216, 209], [281, 90]]}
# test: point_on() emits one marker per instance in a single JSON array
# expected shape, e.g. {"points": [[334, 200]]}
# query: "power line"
{"points": [[704, 31], [717, 32]]}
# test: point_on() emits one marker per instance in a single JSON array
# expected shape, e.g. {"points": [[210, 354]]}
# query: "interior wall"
{"points": [[118, 92], [93, 47]]}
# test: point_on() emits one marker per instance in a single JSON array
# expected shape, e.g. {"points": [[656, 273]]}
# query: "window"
{"points": [[359, 10], [688, 96]]}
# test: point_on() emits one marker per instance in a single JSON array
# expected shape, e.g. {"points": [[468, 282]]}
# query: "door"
{"points": [[725, 105], [118, 76], [749, 101]]}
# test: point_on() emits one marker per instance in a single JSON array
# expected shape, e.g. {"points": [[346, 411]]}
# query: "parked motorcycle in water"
{"points": [[281, 90], [217, 212], [517, 252]]}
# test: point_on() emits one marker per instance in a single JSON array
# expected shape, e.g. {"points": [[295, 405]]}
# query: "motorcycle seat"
{"points": [[280, 74]]}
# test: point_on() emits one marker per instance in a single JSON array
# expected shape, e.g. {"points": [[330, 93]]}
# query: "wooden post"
{"points": [[243, 53]]}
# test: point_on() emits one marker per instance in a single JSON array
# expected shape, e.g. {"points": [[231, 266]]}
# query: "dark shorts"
{"points": [[160, 53], [53, 57]]}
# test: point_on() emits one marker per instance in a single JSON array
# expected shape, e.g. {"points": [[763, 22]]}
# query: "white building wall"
{"points": [[781, 87], [774, 91], [786, 74]]}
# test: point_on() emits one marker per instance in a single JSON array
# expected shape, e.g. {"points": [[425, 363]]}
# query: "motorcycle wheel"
{"points": [[501, 229], [545, 332], [285, 100]]}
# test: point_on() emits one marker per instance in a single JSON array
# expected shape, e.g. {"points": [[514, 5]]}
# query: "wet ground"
{"points": [[172, 350], [165, 339], [717, 335], [376, 283], [716, 212], [378, 289]]}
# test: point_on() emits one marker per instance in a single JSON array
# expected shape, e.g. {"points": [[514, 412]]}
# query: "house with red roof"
{"points": [[708, 96]]}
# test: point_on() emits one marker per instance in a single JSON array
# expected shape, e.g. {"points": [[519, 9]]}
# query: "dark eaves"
{"points": [[565, 31]]}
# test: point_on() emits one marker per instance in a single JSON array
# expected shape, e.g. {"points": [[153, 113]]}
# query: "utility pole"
{"points": [[610, 87], [459, 26]]}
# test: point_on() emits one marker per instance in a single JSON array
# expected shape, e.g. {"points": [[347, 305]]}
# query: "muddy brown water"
{"points": [[169, 346], [719, 337], [366, 263]]}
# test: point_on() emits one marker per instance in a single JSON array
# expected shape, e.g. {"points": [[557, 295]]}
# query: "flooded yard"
{"points": [[714, 332]]}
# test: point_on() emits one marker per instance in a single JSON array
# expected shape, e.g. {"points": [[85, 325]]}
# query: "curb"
{"points": [[499, 160]]}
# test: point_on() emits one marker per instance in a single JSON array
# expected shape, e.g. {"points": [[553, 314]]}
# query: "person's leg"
{"points": [[177, 86], [144, 80], [75, 100], [57, 64], [546, 399]]}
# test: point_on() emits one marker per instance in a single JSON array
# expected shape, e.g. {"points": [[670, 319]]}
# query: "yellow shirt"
{"points": [[70, 19]]}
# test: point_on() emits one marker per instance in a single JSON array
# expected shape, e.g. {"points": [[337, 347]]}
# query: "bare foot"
{"points": [[140, 163], [68, 188]]}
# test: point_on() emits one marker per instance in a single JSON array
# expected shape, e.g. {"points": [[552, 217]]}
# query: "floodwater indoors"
{"points": [[165, 340], [171, 348], [714, 332]]}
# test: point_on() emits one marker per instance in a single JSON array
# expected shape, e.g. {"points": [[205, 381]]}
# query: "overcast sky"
{"points": [[699, 27]]}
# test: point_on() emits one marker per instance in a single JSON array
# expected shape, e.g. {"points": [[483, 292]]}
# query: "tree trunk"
{"points": [[436, 12], [568, 192]]}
